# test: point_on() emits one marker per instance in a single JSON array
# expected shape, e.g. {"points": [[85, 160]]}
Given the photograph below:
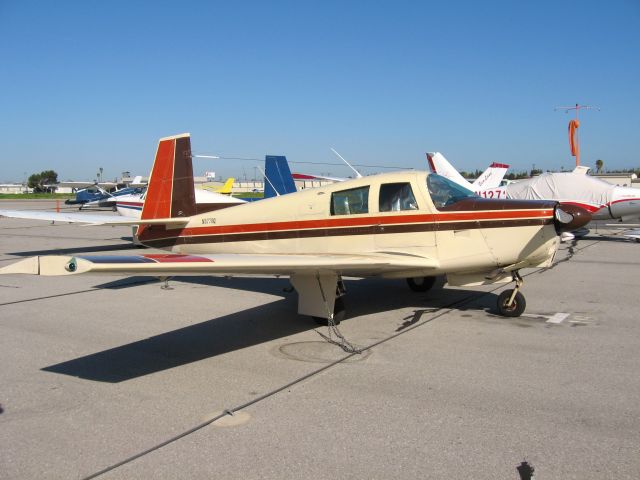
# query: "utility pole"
{"points": [[573, 128]]}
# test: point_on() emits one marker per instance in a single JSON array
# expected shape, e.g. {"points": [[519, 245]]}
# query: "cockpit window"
{"points": [[395, 197], [444, 192], [350, 202]]}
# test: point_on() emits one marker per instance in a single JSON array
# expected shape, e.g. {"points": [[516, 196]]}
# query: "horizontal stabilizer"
{"points": [[89, 219]]}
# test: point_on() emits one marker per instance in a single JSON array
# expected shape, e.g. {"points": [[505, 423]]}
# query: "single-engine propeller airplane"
{"points": [[412, 225]]}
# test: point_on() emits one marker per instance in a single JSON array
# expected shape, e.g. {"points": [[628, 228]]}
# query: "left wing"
{"points": [[172, 264], [89, 219]]}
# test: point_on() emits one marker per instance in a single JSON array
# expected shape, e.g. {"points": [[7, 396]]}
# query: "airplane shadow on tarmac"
{"points": [[253, 326]]}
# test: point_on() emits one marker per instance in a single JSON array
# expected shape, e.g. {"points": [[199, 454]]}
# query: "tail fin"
{"points": [[228, 185], [279, 180], [170, 192], [441, 166], [491, 177]]}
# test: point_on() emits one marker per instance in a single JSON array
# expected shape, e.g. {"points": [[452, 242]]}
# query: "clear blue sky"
{"points": [[89, 84]]}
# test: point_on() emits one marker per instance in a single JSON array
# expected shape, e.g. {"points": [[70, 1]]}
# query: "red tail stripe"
{"points": [[158, 201]]}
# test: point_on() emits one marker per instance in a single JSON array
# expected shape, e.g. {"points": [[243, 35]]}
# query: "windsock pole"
{"points": [[574, 124]]}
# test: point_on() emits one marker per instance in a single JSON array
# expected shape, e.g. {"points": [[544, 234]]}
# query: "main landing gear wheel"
{"points": [[339, 312], [421, 284], [517, 306]]}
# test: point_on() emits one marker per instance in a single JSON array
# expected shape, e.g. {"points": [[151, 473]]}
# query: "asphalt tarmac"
{"points": [[95, 370]]}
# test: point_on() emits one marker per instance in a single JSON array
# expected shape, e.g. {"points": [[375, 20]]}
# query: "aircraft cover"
{"points": [[563, 186]]}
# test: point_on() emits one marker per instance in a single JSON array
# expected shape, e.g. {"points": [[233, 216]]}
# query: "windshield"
{"points": [[445, 192]]}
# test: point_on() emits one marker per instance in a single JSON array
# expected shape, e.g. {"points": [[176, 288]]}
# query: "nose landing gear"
{"points": [[511, 303]]}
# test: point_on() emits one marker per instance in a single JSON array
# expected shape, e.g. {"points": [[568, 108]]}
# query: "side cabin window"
{"points": [[350, 202], [444, 192], [395, 197]]}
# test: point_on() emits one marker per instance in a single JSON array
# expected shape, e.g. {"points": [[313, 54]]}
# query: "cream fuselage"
{"points": [[489, 236]]}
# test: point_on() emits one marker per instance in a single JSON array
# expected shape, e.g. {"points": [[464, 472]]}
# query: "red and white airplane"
{"points": [[603, 200], [412, 225], [489, 179]]}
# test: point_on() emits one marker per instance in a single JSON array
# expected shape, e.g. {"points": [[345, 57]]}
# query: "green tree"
{"points": [[599, 165], [39, 181]]}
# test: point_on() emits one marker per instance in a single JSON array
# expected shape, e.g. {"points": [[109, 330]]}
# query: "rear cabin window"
{"points": [[395, 197], [350, 202], [444, 192]]}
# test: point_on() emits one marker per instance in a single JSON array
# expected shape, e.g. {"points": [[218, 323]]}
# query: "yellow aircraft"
{"points": [[412, 225], [224, 189]]}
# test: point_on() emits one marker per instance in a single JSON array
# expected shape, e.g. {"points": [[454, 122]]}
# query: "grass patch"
{"points": [[32, 196], [249, 195]]}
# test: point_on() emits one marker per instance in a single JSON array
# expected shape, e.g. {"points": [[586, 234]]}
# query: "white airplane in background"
{"points": [[412, 225], [603, 200], [127, 206], [131, 205], [490, 178]]}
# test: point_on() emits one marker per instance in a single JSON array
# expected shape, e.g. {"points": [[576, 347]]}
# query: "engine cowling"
{"points": [[569, 217]]}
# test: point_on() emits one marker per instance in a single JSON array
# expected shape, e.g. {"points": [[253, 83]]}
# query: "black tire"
{"points": [[421, 284], [517, 307], [339, 313]]}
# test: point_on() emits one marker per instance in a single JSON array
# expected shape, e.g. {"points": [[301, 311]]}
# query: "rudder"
{"points": [[278, 179], [170, 192]]}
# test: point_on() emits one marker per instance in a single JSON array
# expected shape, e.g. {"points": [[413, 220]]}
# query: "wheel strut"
{"points": [[519, 283]]}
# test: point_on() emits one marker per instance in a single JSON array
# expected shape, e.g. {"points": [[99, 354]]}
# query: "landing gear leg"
{"points": [[511, 303], [339, 309]]}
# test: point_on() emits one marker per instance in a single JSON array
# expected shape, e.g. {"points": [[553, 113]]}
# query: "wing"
{"points": [[172, 265], [89, 219]]}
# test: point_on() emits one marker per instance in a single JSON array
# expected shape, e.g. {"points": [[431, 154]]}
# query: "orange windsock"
{"points": [[573, 141]]}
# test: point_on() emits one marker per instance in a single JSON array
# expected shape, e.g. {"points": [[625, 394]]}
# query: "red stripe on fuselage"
{"points": [[159, 232], [586, 206], [356, 222]]}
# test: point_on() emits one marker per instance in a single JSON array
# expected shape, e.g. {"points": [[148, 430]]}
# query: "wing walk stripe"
{"points": [[173, 258], [148, 258], [115, 259]]}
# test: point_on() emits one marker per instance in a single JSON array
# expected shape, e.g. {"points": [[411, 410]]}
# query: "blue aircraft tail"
{"points": [[278, 176]]}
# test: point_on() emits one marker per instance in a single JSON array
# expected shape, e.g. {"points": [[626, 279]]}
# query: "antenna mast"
{"points": [[573, 128]]}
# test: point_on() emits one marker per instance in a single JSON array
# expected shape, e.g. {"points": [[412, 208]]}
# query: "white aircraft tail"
{"points": [[581, 169], [441, 166], [491, 177]]}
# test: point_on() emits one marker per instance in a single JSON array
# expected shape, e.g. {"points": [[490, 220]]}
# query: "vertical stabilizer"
{"points": [[491, 177], [279, 179], [170, 192], [441, 166]]}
